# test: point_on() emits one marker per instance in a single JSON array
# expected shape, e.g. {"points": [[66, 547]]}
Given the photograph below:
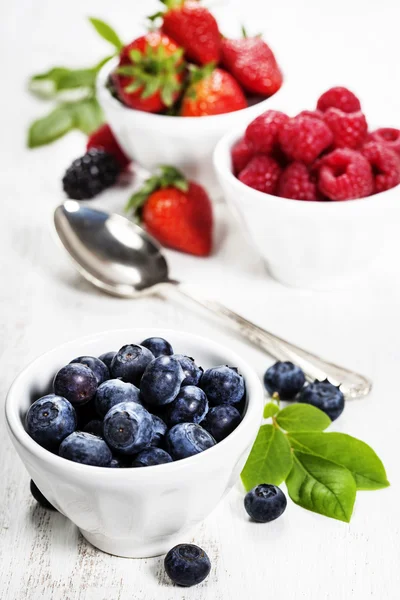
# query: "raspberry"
{"points": [[349, 129], [339, 97], [90, 174], [315, 114], [303, 138], [103, 139], [385, 165], [241, 155], [297, 183], [262, 173], [262, 133], [388, 136], [345, 174]]}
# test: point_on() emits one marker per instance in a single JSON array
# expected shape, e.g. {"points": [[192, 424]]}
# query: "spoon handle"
{"points": [[352, 384]]}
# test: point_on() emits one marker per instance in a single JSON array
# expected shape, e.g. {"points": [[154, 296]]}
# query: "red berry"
{"points": [[315, 114], [339, 97], [296, 182], [262, 173], [349, 129], [345, 174], [304, 138], [385, 165], [262, 133], [103, 139], [388, 136], [241, 155]]}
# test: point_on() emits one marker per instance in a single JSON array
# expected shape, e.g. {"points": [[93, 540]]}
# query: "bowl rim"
{"points": [[252, 415], [222, 152]]}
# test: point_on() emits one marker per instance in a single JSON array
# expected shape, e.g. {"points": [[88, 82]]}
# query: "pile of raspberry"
{"points": [[321, 155]]}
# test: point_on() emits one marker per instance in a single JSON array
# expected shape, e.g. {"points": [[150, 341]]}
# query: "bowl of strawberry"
{"points": [[316, 191], [171, 93]]}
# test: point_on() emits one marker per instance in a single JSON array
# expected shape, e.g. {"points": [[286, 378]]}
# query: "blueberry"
{"points": [[159, 431], [284, 379], [150, 457], [161, 381], [128, 428], [85, 413], [221, 421], [39, 497], [76, 382], [49, 420], [95, 427], [118, 462], [265, 503], [158, 346], [107, 357], [86, 448], [187, 564], [193, 373], [186, 439], [325, 396], [99, 369], [130, 362], [223, 385], [190, 406], [112, 392]]}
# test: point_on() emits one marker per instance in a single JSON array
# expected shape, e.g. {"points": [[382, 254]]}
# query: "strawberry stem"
{"points": [[165, 177]]}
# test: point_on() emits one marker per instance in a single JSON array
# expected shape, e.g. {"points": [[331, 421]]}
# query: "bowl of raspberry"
{"points": [[135, 435], [316, 191]]}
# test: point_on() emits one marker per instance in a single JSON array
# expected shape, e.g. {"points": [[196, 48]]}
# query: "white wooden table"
{"points": [[44, 303]]}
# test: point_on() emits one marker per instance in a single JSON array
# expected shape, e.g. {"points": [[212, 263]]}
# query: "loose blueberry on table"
{"points": [[284, 379], [265, 503], [187, 565]]}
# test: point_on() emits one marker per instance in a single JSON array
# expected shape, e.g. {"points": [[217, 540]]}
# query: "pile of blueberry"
{"points": [[140, 406]]}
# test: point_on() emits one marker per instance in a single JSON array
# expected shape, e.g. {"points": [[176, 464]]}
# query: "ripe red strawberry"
{"points": [[388, 136], [349, 129], [194, 28], [385, 165], [341, 98], [298, 183], [261, 173], [175, 211], [241, 154], [150, 73], [345, 174], [211, 92], [252, 62], [103, 139], [262, 133], [304, 138]]}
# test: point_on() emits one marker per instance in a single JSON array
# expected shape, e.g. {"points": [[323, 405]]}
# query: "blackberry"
{"points": [[90, 174]]}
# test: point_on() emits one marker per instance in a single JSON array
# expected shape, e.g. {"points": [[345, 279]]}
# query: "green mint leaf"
{"points": [[270, 459], [270, 410], [347, 451], [45, 85], [302, 417], [51, 127], [322, 486], [88, 115], [77, 78], [107, 33]]}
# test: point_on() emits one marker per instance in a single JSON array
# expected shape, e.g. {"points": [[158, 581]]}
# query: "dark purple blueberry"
{"points": [[107, 357], [161, 381], [158, 346], [75, 382], [190, 406], [159, 431], [128, 428], [150, 457], [265, 503], [130, 362], [49, 420], [223, 385], [119, 462], [86, 448], [325, 396], [99, 369], [284, 379], [39, 497], [95, 427], [193, 373], [112, 392], [187, 439], [85, 413], [187, 565], [221, 421]]}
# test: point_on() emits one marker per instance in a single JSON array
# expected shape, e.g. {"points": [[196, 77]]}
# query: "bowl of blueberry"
{"points": [[130, 437]]}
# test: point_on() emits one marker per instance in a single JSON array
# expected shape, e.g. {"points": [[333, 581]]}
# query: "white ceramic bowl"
{"points": [[134, 512], [184, 142], [317, 245]]}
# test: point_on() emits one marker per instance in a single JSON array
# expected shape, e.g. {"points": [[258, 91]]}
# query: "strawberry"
{"points": [[211, 91], [103, 139], [150, 73], [252, 62], [177, 212], [194, 28]]}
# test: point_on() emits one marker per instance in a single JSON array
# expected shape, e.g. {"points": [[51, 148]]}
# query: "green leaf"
{"points": [[322, 486], [51, 127], [302, 417], [106, 32], [347, 451], [270, 459], [270, 410], [88, 115]]}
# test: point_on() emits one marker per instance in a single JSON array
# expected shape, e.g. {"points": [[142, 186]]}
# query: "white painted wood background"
{"points": [[43, 303]]}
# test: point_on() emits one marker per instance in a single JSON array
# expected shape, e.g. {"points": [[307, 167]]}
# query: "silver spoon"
{"points": [[120, 258]]}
